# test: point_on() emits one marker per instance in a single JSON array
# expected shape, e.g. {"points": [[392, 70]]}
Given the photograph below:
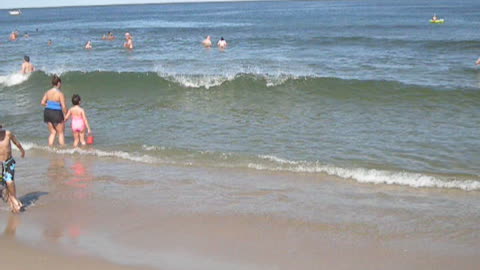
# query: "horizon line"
{"points": [[147, 3]]}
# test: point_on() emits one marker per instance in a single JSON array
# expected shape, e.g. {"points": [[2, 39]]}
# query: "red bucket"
{"points": [[90, 138]]}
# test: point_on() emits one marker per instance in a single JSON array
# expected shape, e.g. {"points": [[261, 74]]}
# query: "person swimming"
{"points": [[222, 43], [13, 36], [207, 42], [129, 41], [27, 67], [79, 121], [88, 46], [108, 36]]}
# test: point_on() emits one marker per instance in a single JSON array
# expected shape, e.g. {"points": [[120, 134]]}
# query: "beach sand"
{"points": [[80, 218], [15, 255]]}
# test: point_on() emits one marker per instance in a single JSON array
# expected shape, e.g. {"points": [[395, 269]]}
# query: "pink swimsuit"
{"points": [[77, 124]]}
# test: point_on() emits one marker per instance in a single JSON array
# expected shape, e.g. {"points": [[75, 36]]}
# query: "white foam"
{"points": [[14, 79], [361, 175], [152, 148], [372, 176], [96, 152], [208, 81], [197, 81], [208, 78], [60, 69], [275, 80]]}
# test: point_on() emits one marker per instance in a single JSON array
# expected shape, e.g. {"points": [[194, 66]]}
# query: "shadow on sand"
{"points": [[30, 198]]}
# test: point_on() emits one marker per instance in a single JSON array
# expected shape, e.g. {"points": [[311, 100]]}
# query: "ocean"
{"points": [[348, 104]]}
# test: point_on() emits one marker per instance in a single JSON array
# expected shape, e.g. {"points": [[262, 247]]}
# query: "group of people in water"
{"points": [[207, 43], [109, 36], [55, 115], [128, 44], [14, 35]]}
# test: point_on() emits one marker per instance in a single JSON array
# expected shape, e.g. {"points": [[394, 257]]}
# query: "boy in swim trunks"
{"points": [[79, 121], [8, 169]]}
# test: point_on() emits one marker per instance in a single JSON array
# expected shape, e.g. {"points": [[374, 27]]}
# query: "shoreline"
{"points": [[284, 151], [79, 207]]}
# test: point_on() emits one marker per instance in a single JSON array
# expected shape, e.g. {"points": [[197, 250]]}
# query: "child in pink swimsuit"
{"points": [[79, 121]]}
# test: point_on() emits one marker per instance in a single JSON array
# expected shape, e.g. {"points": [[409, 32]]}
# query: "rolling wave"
{"points": [[13, 79], [213, 80], [162, 155]]}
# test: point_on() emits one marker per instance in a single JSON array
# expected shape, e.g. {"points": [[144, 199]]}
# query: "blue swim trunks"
{"points": [[8, 171]]}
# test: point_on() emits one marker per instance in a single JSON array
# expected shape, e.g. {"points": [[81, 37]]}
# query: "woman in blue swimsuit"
{"points": [[55, 110]]}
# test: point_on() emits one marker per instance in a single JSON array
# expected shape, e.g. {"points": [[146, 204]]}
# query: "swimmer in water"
{"points": [[27, 67], [88, 46], [13, 36], [207, 42], [129, 41], [49, 42], [222, 43]]}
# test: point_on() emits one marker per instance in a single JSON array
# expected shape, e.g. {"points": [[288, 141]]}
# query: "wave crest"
{"points": [[14, 79], [273, 163], [372, 176], [94, 152]]}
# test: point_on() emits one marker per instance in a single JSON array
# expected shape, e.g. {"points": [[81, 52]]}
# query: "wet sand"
{"points": [[218, 242], [78, 217], [18, 256]]}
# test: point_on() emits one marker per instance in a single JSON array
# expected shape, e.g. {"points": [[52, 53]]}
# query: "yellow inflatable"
{"points": [[437, 21]]}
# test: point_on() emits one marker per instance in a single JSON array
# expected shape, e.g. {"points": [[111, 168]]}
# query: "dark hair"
{"points": [[221, 38], [26, 58], [56, 80], [76, 99]]}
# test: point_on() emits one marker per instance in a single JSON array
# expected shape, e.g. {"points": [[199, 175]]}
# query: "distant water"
{"points": [[364, 90]]}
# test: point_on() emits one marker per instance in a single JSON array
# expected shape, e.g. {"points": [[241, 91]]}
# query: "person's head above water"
{"points": [[56, 80], [222, 38], [76, 99], [26, 58]]}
